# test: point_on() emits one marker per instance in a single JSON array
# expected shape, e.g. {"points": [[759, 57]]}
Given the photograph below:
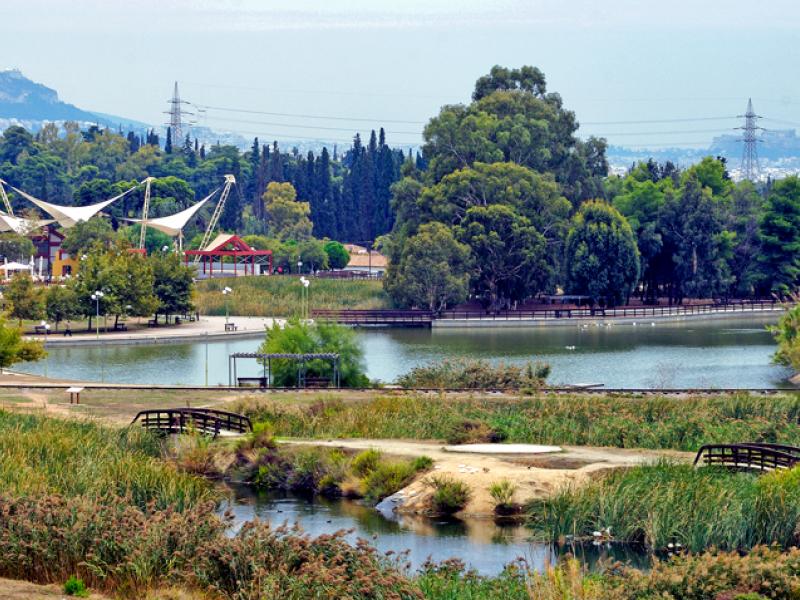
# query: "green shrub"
{"points": [[386, 479], [449, 495], [422, 463], [74, 586], [475, 374], [365, 462]]}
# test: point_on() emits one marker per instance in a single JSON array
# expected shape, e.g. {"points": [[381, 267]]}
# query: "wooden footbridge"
{"points": [[756, 456], [207, 421], [395, 318]]}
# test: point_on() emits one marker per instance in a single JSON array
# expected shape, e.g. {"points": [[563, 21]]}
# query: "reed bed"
{"points": [[40, 456], [667, 506], [598, 420], [279, 296]]}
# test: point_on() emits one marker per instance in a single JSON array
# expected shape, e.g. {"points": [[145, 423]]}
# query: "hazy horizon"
{"points": [[368, 64]]}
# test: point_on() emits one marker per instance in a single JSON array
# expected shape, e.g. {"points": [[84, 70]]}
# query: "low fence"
{"points": [[567, 312]]}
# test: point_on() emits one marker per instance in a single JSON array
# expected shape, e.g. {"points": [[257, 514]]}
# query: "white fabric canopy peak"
{"points": [[172, 225], [20, 225], [69, 216]]}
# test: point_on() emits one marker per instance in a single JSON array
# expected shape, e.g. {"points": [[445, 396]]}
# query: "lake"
{"points": [[733, 353]]}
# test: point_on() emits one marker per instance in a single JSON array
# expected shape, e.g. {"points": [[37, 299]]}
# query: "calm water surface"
{"points": [[479, 543], [730, 353]]}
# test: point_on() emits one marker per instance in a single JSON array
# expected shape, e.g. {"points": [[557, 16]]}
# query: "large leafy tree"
{"points": [[287, 218], [510, 259], [513, 119], [432, 270], [602, 260], [779, 259], [298, 337], [26, 300], [97, 231], [692, 221], [173, 284]]}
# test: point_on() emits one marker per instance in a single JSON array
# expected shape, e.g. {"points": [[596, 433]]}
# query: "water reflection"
{"points": [[482, 544], [731, 353]]}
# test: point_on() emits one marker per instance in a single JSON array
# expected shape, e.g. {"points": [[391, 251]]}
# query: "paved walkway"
{"points": [[212, 327]]}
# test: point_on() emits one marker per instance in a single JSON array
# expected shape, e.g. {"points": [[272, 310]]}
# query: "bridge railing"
{"points": [[585, 312], [204, 420], [374, 316], [750, 455]]}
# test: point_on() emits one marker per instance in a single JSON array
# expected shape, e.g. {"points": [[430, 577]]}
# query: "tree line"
{"points": [[512, 205], [348, 195]]}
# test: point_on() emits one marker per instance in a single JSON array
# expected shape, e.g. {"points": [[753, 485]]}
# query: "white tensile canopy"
{"points": [[69, 216], [172, 225], [19, 225]]}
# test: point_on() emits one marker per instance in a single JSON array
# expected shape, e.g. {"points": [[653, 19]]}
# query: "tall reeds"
{"points": [[626, 421], [675, 506], [279, 296]]}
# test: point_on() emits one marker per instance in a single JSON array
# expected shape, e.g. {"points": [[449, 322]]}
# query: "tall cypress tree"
{"points": [[252, 193], [168, 144], [276, 164]]}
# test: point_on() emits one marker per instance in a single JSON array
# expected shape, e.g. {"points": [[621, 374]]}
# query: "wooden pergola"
{"points": [[265, 381]]}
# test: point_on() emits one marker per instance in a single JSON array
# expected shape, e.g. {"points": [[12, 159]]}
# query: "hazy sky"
{"points": [[381, 61]]}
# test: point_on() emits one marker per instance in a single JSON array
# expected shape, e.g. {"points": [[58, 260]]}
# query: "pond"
{"points": [[713, 354], [481, 544]]}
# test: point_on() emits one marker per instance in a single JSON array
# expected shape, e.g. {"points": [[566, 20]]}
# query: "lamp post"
{"points": [[225, 292], [96, 297], [306, 283]]}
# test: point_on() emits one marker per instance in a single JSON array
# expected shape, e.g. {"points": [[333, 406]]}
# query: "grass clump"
{"points": [[616, 420], [74, 586], [280, 296], [475, 374], [471, 431], [502, 492], [665, 503], [449, 495]]}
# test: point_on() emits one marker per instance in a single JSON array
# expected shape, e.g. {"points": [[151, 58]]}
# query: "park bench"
{"points": [[41, 329], [120, 327], [152, 323], [231, 327]]}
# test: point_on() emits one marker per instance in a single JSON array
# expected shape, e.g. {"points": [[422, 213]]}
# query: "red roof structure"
{"points": [[230, 245]]}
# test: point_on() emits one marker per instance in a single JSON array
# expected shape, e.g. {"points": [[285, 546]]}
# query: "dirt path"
{"points": [[11, 589], [535, 475]]}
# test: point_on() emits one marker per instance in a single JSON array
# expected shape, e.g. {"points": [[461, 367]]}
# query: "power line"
{"points": [[306, 116], [651, 121], [635, 133], [297, 126]]}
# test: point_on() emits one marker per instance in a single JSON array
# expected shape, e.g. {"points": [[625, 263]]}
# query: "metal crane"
{"points": [[145, 211], [212, 224], [6, 203]]}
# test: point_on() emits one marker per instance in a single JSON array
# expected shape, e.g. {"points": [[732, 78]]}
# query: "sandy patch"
{"points": [[572, 466]]}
